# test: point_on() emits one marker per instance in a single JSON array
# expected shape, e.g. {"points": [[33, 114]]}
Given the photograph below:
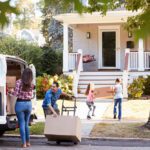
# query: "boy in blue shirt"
{"points": [[49, 103]]}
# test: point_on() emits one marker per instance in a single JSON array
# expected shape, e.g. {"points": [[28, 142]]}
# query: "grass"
{"points": [[132, 109], [35, 129], [122, 130]]}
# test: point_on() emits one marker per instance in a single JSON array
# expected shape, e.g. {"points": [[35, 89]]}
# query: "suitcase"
{"points": [[104, 92], [63, 129]]}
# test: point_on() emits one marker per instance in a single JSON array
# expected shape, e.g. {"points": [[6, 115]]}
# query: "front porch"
{"points": [[104, 38], [137, 62]]}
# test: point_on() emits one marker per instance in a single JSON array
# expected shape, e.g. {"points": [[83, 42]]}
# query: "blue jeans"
{"points": [[23, 111], [119, 103]]}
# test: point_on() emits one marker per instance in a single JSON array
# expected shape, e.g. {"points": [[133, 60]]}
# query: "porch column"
{"points": [[141, 55], [65, 47]]}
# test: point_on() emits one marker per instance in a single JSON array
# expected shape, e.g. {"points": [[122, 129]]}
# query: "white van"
{"points": [[11, 68]]}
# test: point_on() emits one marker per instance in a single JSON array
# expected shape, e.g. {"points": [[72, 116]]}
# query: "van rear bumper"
{"points": [[9, 125]]}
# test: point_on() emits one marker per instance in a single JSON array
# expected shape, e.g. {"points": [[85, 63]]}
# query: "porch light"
{"points": [[129, 34], [88, 35]]}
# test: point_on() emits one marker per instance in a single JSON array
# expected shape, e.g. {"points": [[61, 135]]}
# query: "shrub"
{"points": [[147, 86], [28, 51], [44, 83], [136, 89], [51, 61]]}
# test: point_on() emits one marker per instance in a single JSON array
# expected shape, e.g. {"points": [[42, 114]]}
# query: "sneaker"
{"points": [[88, 117], [114, 116], [119, 119]]}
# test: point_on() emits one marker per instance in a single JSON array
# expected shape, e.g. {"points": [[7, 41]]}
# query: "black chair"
{"points": [[69, 109]]}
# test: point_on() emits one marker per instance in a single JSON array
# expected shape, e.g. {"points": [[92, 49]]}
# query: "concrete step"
{"points": [[108, 73], [93, 77], [84, 86], [102, 82]]}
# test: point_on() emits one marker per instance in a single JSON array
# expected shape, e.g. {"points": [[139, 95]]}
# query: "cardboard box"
{"points": [[11, 81], [63, 128], [10, 104], [103, 92]]}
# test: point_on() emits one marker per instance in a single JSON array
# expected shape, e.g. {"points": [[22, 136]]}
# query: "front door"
{"points": [[109, 47]]}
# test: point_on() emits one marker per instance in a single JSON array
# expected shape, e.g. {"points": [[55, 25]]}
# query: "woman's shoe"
{"points": [[88, 117], [93, 114], [114, 116]]}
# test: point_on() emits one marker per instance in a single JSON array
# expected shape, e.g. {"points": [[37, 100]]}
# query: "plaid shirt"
{"points": [[22, 94]]}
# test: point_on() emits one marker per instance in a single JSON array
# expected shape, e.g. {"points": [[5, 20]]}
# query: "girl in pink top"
{"points": [[90, 99]]}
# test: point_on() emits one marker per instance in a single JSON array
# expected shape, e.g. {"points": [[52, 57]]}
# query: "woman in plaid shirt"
{"points": [[24, 92]]}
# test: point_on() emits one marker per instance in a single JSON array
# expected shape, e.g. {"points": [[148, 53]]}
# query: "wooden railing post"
{"points": [[76, 73], [125, 74]]}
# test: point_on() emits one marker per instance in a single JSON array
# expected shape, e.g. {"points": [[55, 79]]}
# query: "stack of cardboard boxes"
{"points": [[11, 100]]}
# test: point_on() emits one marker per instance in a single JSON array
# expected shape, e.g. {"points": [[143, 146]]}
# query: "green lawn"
{"points": [[131, 110], [35, 129], [122, 130]]}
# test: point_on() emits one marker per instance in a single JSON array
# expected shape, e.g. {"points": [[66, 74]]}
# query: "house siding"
{"points": [[91, 46]]}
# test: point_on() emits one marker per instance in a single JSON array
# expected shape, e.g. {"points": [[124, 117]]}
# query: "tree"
{"points": [[5, 10], [21, 48], [27, 17], [51, 61], [52, 29]]}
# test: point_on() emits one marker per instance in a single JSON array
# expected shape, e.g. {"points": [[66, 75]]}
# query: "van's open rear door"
{"points": [[3, 71], [32, 67]]}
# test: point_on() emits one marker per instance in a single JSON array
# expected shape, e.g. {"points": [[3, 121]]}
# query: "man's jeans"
{"points": [[23, 111], [119, 103]]}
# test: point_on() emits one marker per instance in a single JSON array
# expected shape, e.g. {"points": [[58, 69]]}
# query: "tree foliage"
{"points": [[46, 60], [5, 10], [27, 16], [51, 61], [27, 51], [52, 29]]}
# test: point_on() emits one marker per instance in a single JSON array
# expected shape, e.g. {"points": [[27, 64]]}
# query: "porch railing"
{"points": [[146, 60], [73, 61], [133, 60]]}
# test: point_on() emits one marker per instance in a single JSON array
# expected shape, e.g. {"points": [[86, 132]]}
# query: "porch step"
{"points": [[97, 82], [100, 79], [98, 73]]}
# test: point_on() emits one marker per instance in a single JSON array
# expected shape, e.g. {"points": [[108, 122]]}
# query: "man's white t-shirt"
{"points": [[118, 91]]}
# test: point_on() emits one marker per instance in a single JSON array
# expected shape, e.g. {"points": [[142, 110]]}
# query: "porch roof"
{"points": [[96, 17]]}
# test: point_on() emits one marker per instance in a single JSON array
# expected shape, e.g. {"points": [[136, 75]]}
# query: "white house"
{"points": [[106, 39]]}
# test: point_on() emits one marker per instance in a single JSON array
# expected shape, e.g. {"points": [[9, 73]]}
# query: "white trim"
{"points": [[65, 49], [141, 55], [96, 17], [115, 28]]}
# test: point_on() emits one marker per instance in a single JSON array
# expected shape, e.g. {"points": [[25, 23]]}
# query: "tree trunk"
{"points": [[147, 125]]}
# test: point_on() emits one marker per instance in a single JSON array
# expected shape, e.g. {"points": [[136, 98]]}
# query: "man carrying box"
{"points": [[49, 103]]}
